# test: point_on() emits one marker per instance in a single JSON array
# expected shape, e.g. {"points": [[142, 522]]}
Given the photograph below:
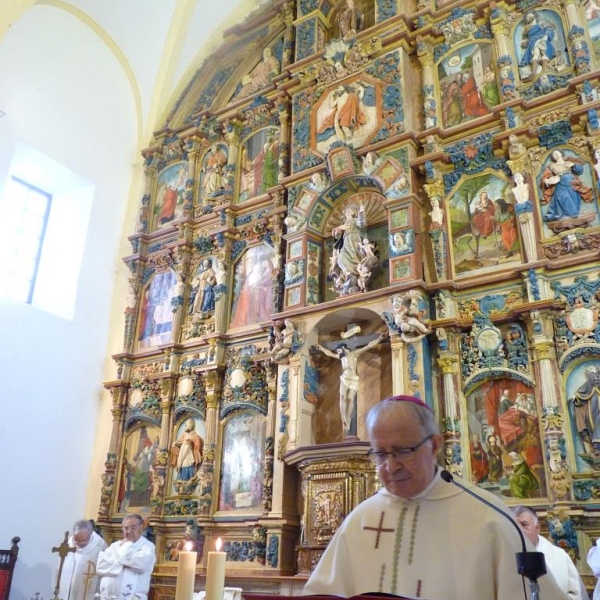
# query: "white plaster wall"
{"points": [[65, 95]]}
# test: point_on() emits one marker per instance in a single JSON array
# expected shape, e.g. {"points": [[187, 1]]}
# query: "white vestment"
{"points": [[593, 560], [444, 544], [78, 580], [559, 563], [125, 569]]}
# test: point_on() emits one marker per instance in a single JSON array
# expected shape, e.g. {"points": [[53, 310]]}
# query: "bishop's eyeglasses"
{"points": [[379, 456]]}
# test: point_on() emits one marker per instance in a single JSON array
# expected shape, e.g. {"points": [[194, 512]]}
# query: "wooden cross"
{"points": [[62, 550], [380, 529]]}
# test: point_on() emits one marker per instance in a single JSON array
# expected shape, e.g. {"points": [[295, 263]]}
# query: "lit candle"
{"points": [[215, 574], [186, 573]]}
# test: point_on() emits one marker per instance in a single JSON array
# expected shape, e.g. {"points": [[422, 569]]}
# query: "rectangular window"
{"points": [[24, 211]]}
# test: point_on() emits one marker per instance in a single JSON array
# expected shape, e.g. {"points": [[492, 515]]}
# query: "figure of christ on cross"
{"points": [[349, 379]]}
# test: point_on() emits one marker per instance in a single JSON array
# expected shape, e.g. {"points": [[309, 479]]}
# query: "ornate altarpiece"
{"points": [[425, 184]]}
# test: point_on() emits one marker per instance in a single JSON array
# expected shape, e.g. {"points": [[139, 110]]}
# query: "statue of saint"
{"points": [[350, 20]]}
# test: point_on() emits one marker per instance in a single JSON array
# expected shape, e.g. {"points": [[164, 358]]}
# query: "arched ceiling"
{"points": [[158, 43]]}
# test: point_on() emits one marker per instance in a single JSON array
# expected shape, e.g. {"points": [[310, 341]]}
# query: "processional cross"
{"points": [[62, 550]]}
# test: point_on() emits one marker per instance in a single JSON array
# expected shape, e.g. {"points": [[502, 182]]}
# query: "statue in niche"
{"points": [[186, 457], [351, 251], [350, 21], [202, 299], [262, 75], [538, 45], [349, 379], [563, 191], [215, 180], [585, 406]]}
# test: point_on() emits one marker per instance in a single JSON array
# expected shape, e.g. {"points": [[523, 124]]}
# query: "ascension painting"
{"points": [[540, 44], [156, 313], [350, 112], [505, 446], [468, 85], [137, 475], [483, 225], [583, 400], [242, 469], [259, 163], [566, 192], [253, 287], [170, 194]]}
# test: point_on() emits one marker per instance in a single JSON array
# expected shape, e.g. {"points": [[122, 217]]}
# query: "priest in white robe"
{"points": [[421, 537], [125, 567], [558, 562], [78, 579]]}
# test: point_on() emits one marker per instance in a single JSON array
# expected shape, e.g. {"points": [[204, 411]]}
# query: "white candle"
{"points": [[186, 574], [215, 574]]}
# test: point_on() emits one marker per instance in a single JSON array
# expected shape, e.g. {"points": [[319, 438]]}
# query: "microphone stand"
{"points": [[529, 564]]}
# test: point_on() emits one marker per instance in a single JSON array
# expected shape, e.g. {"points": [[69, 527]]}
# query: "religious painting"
{"points": [[400, 269], [186, 455], [305, 201], [156, 314], [294, 271], [253, 287], [399, 218], [505, 444], [340, 162], [295, 249], [213, 177], [566, 192], [259, 163], [402, 242], [540, 44], [137, 477], [483, 225], [583, 401], [349, 112], [242, 473], [170, 194], [592, 19], [467, 84], [262, 74], [293, 296]]}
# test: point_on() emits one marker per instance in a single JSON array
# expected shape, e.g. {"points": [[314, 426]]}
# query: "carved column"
{"points": [[448, 364], [430, 112], [500, 30], [398, 378], [437, 231], [544, 357]]}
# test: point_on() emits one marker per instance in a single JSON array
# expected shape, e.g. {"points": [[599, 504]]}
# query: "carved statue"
{"points": [[350, 20], [349, 380], [285, 339], [406, 316]]}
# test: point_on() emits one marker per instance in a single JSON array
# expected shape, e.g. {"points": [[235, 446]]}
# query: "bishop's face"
{"points": [[408, 476]]}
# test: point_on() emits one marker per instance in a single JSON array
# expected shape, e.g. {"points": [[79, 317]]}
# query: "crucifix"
{"points": [[62, 550]]}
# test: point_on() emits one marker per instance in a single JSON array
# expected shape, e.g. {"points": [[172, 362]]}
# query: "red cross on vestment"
{"points": [[380, 529]]}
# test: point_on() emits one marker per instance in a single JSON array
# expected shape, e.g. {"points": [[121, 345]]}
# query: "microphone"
{"points": [[530, 564]]}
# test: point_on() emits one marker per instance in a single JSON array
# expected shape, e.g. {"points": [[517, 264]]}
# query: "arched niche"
{"points": [[374, 380]]}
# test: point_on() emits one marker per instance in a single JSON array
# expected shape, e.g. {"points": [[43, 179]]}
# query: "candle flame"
{"points": [[188, 547], [218, 544]]}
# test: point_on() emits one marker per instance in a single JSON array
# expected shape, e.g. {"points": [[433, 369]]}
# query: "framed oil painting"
{"points": [[136, 478], [253, 287], [242, 470], [483, 225], [467, 83], [505, 445], [400, 268], [156, 313], [592, 20], [170, 194], [259, 163]]}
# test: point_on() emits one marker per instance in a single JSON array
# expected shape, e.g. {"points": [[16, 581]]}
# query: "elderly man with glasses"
{"points": [[420, 536], [78, 579], [126, 565]]}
